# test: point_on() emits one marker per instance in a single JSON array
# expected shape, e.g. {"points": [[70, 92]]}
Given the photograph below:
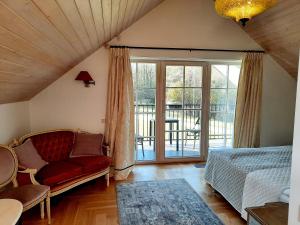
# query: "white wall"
{"points": [[278, 105], [14, 121], [174, 23], [68, 104], [294, 209]]}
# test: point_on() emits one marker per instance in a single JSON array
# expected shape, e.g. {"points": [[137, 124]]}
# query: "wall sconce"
{"points": [[86, 78]]}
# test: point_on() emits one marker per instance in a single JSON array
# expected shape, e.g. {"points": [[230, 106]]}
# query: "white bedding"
{"points": [[262, 186], [226, 170]]}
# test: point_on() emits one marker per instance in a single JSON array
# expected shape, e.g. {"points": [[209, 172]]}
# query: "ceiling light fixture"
{"points": [[242, 10]]}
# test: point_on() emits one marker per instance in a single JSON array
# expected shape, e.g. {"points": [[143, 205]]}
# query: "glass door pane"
{"points": [[144, 80], [224, 83], [183, 107]]}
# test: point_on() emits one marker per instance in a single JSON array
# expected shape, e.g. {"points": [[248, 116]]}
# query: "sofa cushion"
{"points": [[28, 156], [87, 144], [91, 163], [54, 146], [58, 172]]}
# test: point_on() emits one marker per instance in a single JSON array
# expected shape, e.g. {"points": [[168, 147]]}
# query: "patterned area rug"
{"points": [[164, 202]]}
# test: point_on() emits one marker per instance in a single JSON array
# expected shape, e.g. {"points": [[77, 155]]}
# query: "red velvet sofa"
{"points": [[62, 172]]}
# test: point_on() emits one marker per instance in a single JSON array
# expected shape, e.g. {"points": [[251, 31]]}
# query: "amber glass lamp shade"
{"points": [[86, 78], [242, 10]]}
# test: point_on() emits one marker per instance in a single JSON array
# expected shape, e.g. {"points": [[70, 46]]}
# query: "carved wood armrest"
{"points": [[14, 143], [31, 173]]}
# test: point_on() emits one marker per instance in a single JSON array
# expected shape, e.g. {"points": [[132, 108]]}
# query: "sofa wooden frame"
{"points": [[68, 185]]}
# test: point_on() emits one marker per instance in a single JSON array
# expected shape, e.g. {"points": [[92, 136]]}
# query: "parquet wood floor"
{"points": [[94, 204]]}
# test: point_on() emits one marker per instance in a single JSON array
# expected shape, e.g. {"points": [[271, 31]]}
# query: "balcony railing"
{"points": [[220, 120]]}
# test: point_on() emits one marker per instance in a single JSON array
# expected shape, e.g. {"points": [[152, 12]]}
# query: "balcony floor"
{"points": [[170, 152]]}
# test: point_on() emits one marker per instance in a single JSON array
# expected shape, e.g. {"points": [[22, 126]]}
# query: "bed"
{"points": [[227, 170], [262, 186]]}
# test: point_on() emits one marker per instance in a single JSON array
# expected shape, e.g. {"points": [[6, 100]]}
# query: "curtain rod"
{"points": [[187, 49]]}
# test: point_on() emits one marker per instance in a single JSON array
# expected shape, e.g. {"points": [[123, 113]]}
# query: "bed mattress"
{"points": [[226, 170], [262, 186]]}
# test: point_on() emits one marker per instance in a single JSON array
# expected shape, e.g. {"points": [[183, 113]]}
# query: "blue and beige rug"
{"points": [[164, 202]]}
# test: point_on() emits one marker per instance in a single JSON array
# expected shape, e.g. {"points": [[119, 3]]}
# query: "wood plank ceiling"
{"points": [[278, 32], [42, 39]]}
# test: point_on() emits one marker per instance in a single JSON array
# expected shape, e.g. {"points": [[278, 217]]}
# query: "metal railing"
{"points": [[220, 120]]}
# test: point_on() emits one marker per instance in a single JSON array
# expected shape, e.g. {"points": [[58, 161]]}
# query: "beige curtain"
{"points": [[248, 105], [119, 127]]}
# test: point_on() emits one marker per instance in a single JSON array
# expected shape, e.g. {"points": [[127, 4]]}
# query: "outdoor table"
{"points": [[170, 121]]}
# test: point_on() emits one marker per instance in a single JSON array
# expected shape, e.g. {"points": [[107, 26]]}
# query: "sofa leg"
{"points": [[107, 179], [42, 208], [48, 208]]}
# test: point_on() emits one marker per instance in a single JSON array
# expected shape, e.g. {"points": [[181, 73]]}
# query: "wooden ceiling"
{"points": [[278, 32], [42, 39]]}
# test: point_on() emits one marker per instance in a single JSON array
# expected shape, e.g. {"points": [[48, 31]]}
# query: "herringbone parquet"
{"points": [[95, 204]]}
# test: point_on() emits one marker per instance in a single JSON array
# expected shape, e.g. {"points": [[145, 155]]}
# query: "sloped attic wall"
{"points": [[14, 121], [174, 23]]}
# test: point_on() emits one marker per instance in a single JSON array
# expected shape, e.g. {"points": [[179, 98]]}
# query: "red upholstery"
{"points": [[91, 164], [58, 172], [54, 146], [23, 178]]}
